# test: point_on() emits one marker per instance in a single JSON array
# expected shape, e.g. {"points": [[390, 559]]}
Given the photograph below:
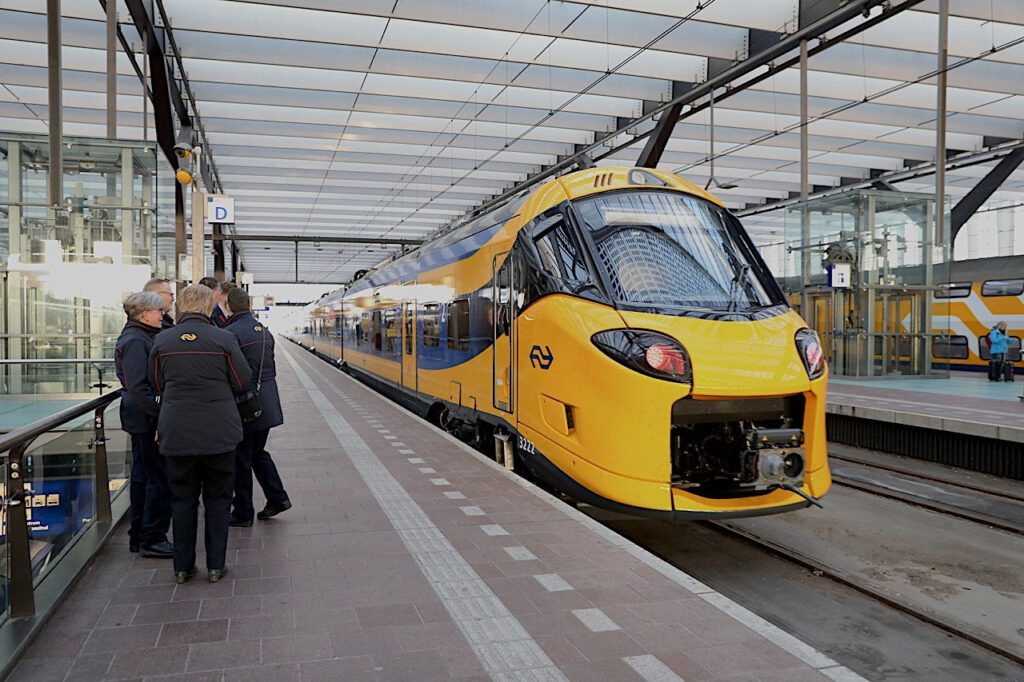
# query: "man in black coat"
{"points": [[148, 490], [251, 456], [163, 287], [197, 369]]}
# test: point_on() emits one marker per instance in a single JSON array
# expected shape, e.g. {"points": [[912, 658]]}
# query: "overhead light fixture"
{"points": [[711, 155]]}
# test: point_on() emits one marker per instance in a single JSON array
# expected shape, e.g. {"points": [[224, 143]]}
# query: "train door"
{"points": [[409, 375], [503, 316]]}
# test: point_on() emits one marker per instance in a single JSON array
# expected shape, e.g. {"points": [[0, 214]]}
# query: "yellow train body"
{"points": [[581, 419]]}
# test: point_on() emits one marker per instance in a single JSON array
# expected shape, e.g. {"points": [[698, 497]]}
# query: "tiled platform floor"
{"points": [[406, 557], [963, 397]]}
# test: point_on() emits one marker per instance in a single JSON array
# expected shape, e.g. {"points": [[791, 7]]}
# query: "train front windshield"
{"points": [[669, 249]]}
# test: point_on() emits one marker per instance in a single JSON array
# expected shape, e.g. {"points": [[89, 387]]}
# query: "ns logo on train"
{"points": [[541, 358]]}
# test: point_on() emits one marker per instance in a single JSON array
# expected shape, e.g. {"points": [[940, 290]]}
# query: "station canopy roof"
{"points": [[391, 118]]}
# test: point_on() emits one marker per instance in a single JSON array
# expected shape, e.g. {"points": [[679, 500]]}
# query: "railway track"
{"points": [[889, 599], [973, 493]]}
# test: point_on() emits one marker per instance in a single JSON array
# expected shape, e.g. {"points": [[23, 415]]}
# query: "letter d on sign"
{"points": [[221, 213]]}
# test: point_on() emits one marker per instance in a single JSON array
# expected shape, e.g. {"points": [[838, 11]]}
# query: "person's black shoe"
{"points": [[239, 523], [184, 576], [273, 510], [133, 547], [161, 550], [217, 573]]}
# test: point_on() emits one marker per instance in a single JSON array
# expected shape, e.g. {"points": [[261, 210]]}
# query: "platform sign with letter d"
{"points": [[220, 209]]}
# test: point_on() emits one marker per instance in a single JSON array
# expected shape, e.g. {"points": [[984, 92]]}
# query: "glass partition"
{"points": [[68, 267], [864, 267]]}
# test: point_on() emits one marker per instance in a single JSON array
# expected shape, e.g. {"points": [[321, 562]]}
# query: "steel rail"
{"points": [[931, 505], [926, 477]]}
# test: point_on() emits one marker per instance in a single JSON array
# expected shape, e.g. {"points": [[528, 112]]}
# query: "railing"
{"points": [[74, 382], [45, 464]]}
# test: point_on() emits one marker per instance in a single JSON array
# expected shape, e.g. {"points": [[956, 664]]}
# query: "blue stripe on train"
{"points": [[402, 270]]}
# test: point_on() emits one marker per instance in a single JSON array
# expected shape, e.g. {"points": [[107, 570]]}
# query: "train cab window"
{"points": [[1003, 287], [1012, 351], [430, 319], [458, 324], [954, 290], [950, 347], [674, 250]]}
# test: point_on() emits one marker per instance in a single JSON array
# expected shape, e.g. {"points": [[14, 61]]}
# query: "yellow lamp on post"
{"points": [[184, 176]]}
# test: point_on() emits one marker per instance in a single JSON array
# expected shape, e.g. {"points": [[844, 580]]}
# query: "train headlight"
{"points": [[646, 352], [811, 352]]}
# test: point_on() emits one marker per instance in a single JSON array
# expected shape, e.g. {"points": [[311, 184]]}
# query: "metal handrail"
{"points": [[13, 447], [95, 362], [58, 361]]}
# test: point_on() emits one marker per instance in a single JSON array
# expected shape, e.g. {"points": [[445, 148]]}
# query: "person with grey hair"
{"points": [[148, 490], [163, 287], [197, 369]]}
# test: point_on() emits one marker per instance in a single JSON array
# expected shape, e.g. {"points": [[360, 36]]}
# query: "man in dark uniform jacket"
{"points": [[251, 456], [163, 287], [218, 316], [197, 369], [148, 490]]}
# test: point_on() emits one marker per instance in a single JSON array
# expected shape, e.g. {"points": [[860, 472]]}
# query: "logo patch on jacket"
{"points": [[257, 328], [188, 337]]}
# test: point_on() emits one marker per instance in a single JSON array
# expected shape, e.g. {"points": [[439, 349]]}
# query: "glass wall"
{"points": [[864, 266], [67, 268]]}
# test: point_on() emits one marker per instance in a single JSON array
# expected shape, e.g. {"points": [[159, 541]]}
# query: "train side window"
{"points": [[390, 331], [950, 347], [560, 255], [1012, 351], [954, 290], [430, 318], [1003, 287], [458, 324]]}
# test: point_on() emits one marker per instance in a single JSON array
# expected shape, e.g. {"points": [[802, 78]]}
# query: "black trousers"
{"points": [[213, 477], [252, 458], [149, 492]]}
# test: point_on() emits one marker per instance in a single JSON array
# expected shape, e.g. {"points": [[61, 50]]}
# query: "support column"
{"points": [[180, 243], [111, 69], [198, 236], [128, 249], [55, 176], [939, 237], [13, 304], [805, 191]]}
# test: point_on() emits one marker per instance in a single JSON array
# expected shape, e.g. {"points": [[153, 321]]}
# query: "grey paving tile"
{"points": [[221, 655], [148, 662], [194, 632]]}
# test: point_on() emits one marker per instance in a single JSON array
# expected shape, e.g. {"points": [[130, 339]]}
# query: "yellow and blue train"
{"points": [[618, 326]]}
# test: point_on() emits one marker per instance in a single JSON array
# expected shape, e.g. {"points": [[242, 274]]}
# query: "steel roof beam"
{"points": [[973, 200]]}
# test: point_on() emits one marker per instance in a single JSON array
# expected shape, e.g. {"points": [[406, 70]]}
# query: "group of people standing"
{"points": [[182, 379]]}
